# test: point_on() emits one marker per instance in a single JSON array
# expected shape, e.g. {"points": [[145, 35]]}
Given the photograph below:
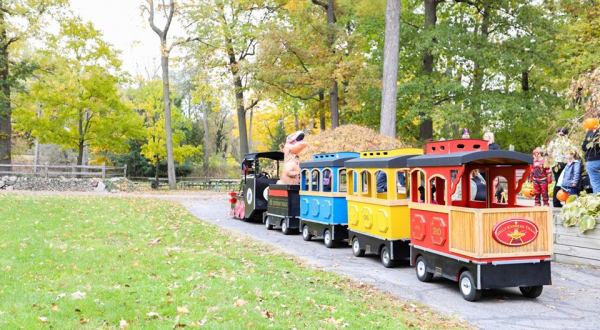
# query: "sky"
{"points": [[122, 25]]}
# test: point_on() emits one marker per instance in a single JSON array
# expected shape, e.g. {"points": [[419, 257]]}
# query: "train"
{"points": [[449, 210]]}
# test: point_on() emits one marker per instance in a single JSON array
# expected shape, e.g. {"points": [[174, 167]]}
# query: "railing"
{"points": [[74, 171]]}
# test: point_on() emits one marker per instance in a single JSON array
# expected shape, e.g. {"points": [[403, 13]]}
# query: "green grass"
{"points": [[151, 264]]}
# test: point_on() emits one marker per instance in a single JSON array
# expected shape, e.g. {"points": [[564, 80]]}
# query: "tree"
{"points": [[19, 20], [165, 50], [147, 100], [76, 90], [227, 32], [390, 68]]}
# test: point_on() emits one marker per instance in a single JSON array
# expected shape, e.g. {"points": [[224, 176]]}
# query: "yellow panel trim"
{"points": [[377, 201], [391, 153]]}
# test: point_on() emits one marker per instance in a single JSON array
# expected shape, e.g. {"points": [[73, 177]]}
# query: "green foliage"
{"points": [[74, 99], [582, 212], [147, 101]]}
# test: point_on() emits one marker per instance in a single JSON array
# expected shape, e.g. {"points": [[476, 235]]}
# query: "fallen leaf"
{"points": [[78, 295], [240, 302], [267, 314], [153, 315], [123, 324], [154, 241], [83, 321], [43, 319], [183, 310], [54, 307]]}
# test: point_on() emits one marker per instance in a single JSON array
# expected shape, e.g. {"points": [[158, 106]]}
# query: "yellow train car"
{"points": [[378, 196]]}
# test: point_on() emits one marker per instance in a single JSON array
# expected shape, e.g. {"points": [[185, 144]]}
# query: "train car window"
{"points": [[315, 180], [365, 178], [305, 180], [418, 186], [381, 184], [500, 190], [343, 181], [457, 196], [437, 188], [478, 187], [402, 185], [327, 180]]}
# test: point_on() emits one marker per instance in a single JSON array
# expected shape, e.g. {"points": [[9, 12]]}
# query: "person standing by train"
{"points": [[489, 137], [558, 149], [571, 175], [591, 147], [541, 177]]}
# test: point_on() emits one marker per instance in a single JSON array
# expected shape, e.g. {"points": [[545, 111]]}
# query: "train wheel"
{"points": [[356, 250], [284, 227], [327, 239], [268, 225], [421, 269], [466, 283], [306, 233], [531, 291], [386, 258]]}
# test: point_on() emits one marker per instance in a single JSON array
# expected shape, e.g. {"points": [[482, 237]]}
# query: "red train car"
{"points": [[467, 224]]}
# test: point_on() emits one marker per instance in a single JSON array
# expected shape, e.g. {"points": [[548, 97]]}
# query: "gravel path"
{"points": [[572, 302]]}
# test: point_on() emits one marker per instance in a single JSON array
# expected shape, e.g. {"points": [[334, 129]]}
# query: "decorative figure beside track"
{"points": [[294, 144]]}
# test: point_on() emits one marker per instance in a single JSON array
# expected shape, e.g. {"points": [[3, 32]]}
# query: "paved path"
{"points": [[573, 302]]}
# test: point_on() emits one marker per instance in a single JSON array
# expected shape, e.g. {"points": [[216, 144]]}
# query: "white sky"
{"points": [[122, 25]]}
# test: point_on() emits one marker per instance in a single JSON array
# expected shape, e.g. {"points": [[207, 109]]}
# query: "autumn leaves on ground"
{"points": [[127, 262]]}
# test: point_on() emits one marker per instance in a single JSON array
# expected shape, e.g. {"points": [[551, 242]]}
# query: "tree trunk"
{"points": [[80, 147], [333, 92], [164, 63], [241, 113], [250, 130], [387, 123], [426, 127], [5, 106], [478, 75], [206, 139], [333, 105], [525, 80], [322, 111]]}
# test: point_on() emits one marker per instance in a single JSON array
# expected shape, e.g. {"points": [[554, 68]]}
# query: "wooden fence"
{"points": [[571, 246], [74, 171]]}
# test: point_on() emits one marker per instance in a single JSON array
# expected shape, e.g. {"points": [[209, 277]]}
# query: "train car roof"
{"points": [[336, 159], [487, 157], [275, 155], [381, 162]]}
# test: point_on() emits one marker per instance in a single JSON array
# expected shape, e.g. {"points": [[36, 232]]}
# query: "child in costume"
{"points": [[541, 176]]}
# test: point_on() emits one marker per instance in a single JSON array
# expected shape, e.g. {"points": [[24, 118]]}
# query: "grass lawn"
{"points": [[102, 262]]}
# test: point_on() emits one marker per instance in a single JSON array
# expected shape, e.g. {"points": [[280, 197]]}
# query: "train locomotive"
{"points": [[449, 210]]}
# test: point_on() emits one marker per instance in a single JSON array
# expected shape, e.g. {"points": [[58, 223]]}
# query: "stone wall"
{"points": [[65, 184]]}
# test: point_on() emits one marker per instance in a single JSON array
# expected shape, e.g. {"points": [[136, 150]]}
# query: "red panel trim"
{"points": [[278, 193]]}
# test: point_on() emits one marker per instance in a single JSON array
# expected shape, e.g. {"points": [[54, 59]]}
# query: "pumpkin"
{"points": [[591, 123], [528, 192], [562, 195]]}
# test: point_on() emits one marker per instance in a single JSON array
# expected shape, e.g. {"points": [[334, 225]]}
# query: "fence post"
{"points": [[46, 170], [103, 170], [125, 171], [73, 171]]}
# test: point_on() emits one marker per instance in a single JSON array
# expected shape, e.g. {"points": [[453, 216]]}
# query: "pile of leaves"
{"points": [[348, 138], [582, 211]]}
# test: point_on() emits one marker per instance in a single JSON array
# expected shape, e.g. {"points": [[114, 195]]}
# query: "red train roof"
{"points": [[452, 146]]}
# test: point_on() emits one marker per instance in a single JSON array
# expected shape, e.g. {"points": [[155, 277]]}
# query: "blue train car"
{"points": [[323, 207]]}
